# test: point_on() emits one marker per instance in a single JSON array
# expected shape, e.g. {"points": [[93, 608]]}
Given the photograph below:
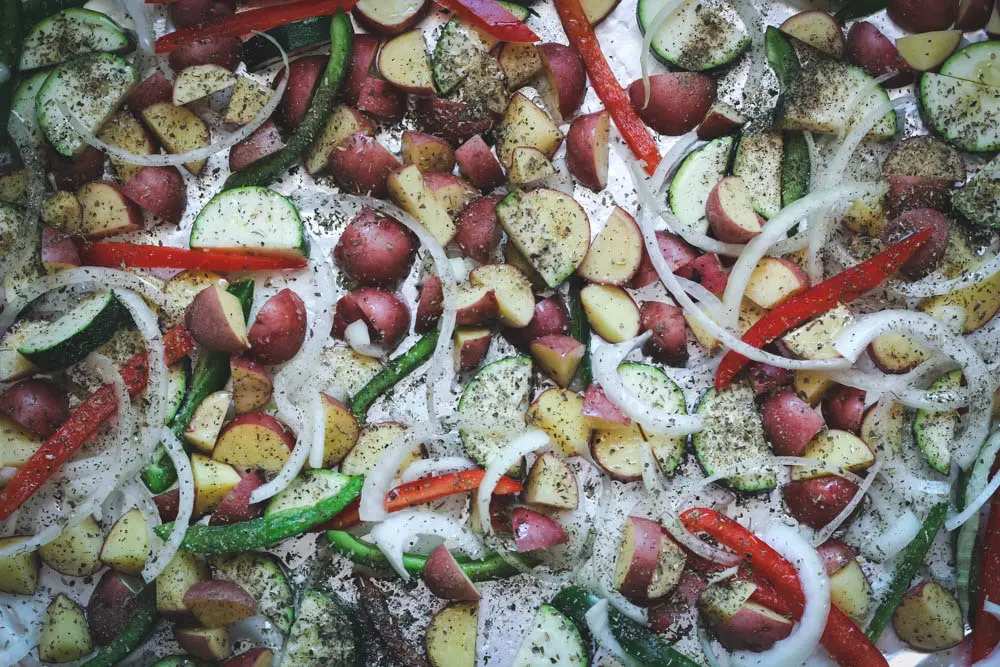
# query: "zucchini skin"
{"points": [[636, 640], [579, 328], [11, 37], [33, 11], [394, 371], [781, 55], [267, 169], [140, 624], [258, 52]]}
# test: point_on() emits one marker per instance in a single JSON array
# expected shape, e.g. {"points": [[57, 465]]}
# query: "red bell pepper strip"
{"points": [[986, 634], [844, 287], [83, 424], [261, 19], [493, 18], [116, 254], [421, 491], [845, 642], [582, 38]]}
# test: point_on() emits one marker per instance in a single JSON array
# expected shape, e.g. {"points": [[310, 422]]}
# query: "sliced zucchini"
{"points": [[322, 635], [733, 436], [250, 218], [699, 35], [965, 113], [935, 431], [22, 107], [69, 339], [69, 33], [979, 200], [692, 184], [758, 160], [177, 380], [265, 579], [978, 62], [781, 55], [306, 490], [553, 640], [796, 168], [492, 407], [91, 87], [296, 37]]}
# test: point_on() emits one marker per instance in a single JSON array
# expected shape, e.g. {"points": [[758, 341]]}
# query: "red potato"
{"points": [[252, 386], [186, 13], [907, 193], [303, 75], [363, 52], [674, 249], [566, 77], [587, 149], [221, 51], [386, 316], [721, 120], [663, 616], [923, 15], [600, 412], [264, 141], [111, 605], [559, 356], [375, 249], [161, 191], [844, 408], [818, 29], [430, 305], [973, 15], [215, 319], [203, 643], [478, 164], [707, 271], [106, 211], [475, 305], [678, 101], [235, 506], [451, 119], [361, 165], [216, 604], [279, 329], [152, 90], [452, 191], [638, 558], [71, 173], [789, 423], [668, 343], [765, 377], [427, 152], [926, 259], [389, 17], [471, 347], [254, 440], [816, 502], [836, 555], [167, 504], [37, 405], [445, 579], [533, 530], [58, 251], [730, 211], [752, 628], [380, 99], [868, 48], [255, 657], [477, 230], [551, 317]]}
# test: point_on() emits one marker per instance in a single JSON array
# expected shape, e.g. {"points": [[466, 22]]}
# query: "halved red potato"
{"points": [[850, 590], [235, 506], [566, 77], [37, 405], [427, 152], [528, 165], [519, 61], [380, 99], [721, 119], [923, 15], [363, 52], [69, 173], [342, 122], [907, 193], [524, 123], [731, 213], [533, 530], [973, 14], [386, 316], [615, 255], [167, 504], [844, 408], [871, 50], [550, 317], [389, 17], [611, 312], [673, 248], [303, 76], [254, 440], [515, 299], [153, 89], [841, 449], [559, 356], [255, 657], [559, 412], [206, 422], [341, 430], [897, 353], [818, 29], [926, 51], [58, 251], [409, 188], [111, 605], [765, 377], [186, 13], [773, 280], [600, 412], [471, 346], [638, 558], [403, 62], [183, 570], [430, 304], [929, 618], [222, 51], [477, 230], [203, 643], [816, 502], [105, 211], [215, 319], [264, 141], [736, 622], [279, 329], [668, 343], [217, 603], [361, 165], [925, 259], [587, 149], [451, 119], [446, 579], [707, 271], [551, 483], [159, 190], [475, 304], [453, 192], [678, 101], [375, 249], [789, 423], [478, 164]]}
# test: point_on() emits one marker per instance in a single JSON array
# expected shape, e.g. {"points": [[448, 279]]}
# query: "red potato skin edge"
{"points": [[478, 163], [678, 101], [159, 190], [446, 579], [221, 51], [387, 317], [645, 558], [816, 502], [37, 405], [375, 249], [477, 230], [789, 423]]}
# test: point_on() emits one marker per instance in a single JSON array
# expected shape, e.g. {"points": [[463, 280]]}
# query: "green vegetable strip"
{"points": [[579, 328], [33, 11], [394, 371], [855, 9], [362, 553], [267, 169], [781, 55], [906, 568], [210, 375], [267, 530], [10, 52], [140, 624], [635, 639]]}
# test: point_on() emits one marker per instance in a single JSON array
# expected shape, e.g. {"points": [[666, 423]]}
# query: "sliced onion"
{"points": [[650, 470], [600, 627], [529, 441], [378, 481], [20, 622], [185, 507], [728, 573], [441, 466], [317, 448], [829, 529], [391, 534], [661, 17], [357, 336], [297, 460], [972, 508], [606, 361], [927, 399], [143, 25], [932, 286]]}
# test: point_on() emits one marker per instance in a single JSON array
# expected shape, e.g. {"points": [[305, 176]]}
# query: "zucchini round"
{"points": [[296, 37], [71, 32], [700, 34]]}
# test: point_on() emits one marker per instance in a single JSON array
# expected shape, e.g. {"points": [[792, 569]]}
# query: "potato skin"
{"points": [[451, 120], [303, 75], [816, 502], [678, 101], [430, 305], [668, 343], [923, 15], [551, 317], [264, 141], [111, 605], [907, 193], [37, 405], [673, 248], [844, 407], [868, 48], [360, 164], [152, 90], [186, 13], [789, 423], [478, 164], [363, 52], [159, 190], [279, 329], [235, 506], [446, 579], [71, 173], [478, 232], [387, 317], [221, 51], [376, 250], [925, 259]]}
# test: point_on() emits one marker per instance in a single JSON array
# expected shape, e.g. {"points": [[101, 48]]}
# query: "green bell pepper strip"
{"points": [[636, 640], [265, 170], [210, 375], [781, 55], [267, 530], [394, 371], [11, 36], [362, 553], [907, 564], [855, 9], [579, 328], [139, 626]]}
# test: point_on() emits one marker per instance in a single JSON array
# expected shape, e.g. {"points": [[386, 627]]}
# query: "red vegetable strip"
{"points": [[845, 641], [422, 491], [84, 423], [261, 19], [116, 254], [986, 635], [844, 287], [582, 38], [492, 17]]}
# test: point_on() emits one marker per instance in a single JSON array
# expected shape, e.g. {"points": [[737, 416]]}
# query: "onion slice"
{"points": [[357, 336], [390, 535], [185, 507], [531, 440], [441, 466], [304, 444], [829, 529], [662, 16], [600, 627], [378, 481]]}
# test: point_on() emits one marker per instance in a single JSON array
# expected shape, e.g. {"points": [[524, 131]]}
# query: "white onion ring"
{"points": [[317, 448], [356, 335], [529, 441], [390, 535], [185, 507], [662, 16], [829, 529], [441, 466], [297, 460], [378, 481], [143, 25]]}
